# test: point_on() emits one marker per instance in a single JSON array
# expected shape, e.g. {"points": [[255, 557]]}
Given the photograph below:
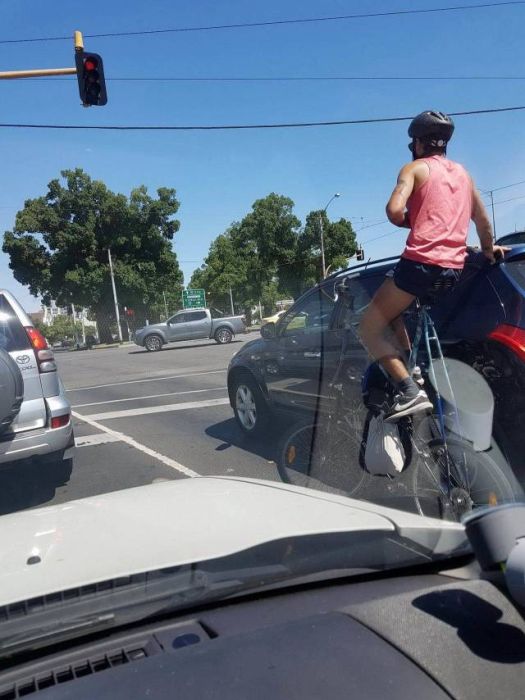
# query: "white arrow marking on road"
{"points": [[137, 445], [130, 412]]}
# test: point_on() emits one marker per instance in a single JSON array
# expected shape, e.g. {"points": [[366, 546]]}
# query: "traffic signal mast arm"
{"points": [[89, 71], [37, 73]]}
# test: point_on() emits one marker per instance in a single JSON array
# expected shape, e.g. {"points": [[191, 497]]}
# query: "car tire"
{"points": [[54, 468], [62, 470], [223, 336], [11, 390], [249, 406], [153, 342]]}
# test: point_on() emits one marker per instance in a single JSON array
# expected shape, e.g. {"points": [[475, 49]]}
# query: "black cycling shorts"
{"points": [[423, 280]]}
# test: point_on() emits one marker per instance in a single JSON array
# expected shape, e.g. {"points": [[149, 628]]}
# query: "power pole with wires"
{"points": [[115, 300]]}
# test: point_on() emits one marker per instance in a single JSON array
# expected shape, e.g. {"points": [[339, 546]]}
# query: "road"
{"points": [[140, 417]]}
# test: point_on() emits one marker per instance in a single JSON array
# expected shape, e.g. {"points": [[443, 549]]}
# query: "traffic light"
{"points": [[90, 76], [360, 254]]}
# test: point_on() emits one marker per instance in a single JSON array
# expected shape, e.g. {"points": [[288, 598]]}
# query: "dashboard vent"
{"points": [[64, 674]]}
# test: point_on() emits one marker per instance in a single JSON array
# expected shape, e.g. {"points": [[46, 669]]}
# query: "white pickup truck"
{"points": [[190, 324]]}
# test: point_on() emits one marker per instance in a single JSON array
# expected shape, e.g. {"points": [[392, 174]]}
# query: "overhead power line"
{"points": [[298, 79], [233, 127], [272, 23], [505, 187]]}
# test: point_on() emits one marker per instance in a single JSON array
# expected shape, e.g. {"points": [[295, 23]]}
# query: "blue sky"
{"points": [[218, 175]]}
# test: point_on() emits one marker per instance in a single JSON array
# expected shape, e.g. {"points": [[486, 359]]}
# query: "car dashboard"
{"points": [[425, 636]]}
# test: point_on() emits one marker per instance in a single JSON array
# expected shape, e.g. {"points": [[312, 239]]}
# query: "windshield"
{"points": [[228, 264]]}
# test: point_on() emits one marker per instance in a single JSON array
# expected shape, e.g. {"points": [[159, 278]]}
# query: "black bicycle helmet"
{"points": [[432, 126]]}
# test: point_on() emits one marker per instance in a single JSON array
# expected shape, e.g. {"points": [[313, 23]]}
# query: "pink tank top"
{"points": [[439, 213]]}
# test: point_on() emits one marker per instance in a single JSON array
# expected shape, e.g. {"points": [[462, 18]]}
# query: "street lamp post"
{"points": [[115, 300], [323, 211]]}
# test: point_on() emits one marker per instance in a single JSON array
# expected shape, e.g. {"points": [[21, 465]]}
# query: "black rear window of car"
{"points": [[512, 238], [516, 270], [13, 336]]}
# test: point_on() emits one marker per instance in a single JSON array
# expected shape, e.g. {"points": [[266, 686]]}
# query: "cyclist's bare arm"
{"points": [[410, 178], [481, 220]]}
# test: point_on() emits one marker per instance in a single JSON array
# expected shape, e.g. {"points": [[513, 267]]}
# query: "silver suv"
{"points": [[35, 415]]}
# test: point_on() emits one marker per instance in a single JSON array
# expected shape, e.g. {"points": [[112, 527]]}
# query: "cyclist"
{"points": [[436, 199]]}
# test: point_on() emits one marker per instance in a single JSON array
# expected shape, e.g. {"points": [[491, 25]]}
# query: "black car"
{"points": [[290, 369]]}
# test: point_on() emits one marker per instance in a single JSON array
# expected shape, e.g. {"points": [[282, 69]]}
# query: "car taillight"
{"points": [[512, 337], [44, 356], [59, 421]]}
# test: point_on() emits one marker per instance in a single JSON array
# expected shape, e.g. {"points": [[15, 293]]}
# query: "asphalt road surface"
{"points": [[140, 417]]}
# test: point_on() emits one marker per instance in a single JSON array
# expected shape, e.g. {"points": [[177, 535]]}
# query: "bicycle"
{"points": [[448, 477]]}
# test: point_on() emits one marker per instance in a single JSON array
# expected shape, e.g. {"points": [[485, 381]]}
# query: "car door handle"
{"points": [[312, 354]]}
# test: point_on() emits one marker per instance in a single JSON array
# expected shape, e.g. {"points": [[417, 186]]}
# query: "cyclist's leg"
{"points": [[387, 305], [401, 336]]}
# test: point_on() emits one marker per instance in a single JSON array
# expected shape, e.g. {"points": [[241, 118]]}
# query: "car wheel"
{"points": [[223, 336], [57, 468], [12, 393], [153, 343], [249, 406]]}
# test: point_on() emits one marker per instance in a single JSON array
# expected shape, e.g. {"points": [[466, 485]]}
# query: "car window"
{"points": [[360, 293], [196, 316], [516, 269], [310, 316], [512, 238], [178, 318], [12, 334]]}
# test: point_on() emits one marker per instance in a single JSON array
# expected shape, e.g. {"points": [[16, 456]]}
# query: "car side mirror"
{"points": [[269, 331]]}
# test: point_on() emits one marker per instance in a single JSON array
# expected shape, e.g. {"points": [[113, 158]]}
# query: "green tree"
{"points": [[339, 245], [62, 328], [268, 239], [58, 246], [223, 269]]}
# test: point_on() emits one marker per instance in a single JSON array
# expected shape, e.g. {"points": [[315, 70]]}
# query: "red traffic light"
{"points": [[90, 63], [90, 76]]}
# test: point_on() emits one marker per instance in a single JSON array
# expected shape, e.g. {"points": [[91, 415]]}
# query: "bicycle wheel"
{"points": [[326, 459], [451, 479]]}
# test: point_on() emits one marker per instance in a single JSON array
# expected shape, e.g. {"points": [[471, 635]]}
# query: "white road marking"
{"points": [[96, 439], [149, 379], [151, 396], [188, 405], [137, 445]]}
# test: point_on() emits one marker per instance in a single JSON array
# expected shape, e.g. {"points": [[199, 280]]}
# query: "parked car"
{"points": [[194, 324], [35, 420], [482, 322]]}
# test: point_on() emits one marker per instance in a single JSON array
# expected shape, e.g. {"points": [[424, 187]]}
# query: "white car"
{"points": [[35, 414], [220, 588]]}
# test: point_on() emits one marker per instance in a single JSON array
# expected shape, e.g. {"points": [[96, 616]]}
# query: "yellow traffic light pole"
{"points": [[45, 72]]}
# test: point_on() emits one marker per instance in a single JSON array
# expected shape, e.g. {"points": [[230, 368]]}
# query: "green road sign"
{"points": [[193, 299]]}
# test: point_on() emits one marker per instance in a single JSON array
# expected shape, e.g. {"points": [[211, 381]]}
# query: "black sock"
{"points": [[408, 387]]}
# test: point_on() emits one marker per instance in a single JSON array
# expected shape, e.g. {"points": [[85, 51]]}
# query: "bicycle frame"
{"points": [[425, 330]]}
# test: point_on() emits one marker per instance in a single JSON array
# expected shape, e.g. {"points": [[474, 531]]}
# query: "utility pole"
{"points": [[323, 264], [323, 211], [493, 215], [165, 305], [231, 302], [115, 300]]}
